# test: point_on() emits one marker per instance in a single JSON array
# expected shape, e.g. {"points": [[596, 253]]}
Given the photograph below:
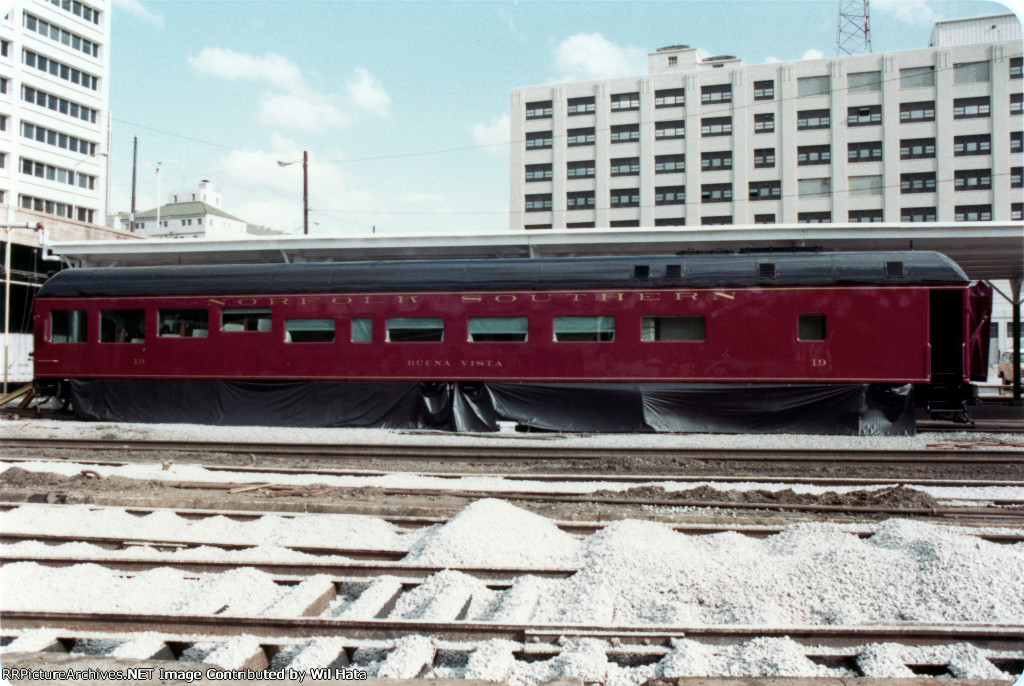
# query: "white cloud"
{"points": [[495, 135], [591, 56], [302, 111], [367, 93], [139, 11], [914, 12], [812, 54], [228, 64]]}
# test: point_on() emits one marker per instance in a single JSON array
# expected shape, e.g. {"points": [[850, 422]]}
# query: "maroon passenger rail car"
{"points": [[830, 343]]}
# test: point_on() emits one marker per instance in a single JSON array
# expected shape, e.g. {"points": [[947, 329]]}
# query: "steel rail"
{"points": [[504, 453], [994, 637], [575, 477]]}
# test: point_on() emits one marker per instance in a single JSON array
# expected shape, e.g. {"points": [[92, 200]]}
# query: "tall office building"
{"points": [[913, 136], [54, 110]]}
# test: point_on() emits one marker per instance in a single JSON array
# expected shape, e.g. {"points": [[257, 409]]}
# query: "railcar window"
{"points": [[415, 329], [309, 330], [122, 326], [362, 330], [245, 319], [68, 326], [690, 327], [584, 329], [811, 327], [184, 323], [495, 329]]}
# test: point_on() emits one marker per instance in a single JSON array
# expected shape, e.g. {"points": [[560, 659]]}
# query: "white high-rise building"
{"points": [[920, 135], [54, 110]]}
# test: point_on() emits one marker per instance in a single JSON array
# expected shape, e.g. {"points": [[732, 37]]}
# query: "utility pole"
{"points": [[853, 35], [305, 192], [135, 165]]}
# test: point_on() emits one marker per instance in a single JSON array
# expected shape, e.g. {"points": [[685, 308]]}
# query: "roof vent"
{"points": [[766, 270], [641, 272], [894, 270], [673, 271]]}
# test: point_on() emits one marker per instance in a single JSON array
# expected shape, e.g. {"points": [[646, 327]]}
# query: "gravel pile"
{"points": [[493, 533]]}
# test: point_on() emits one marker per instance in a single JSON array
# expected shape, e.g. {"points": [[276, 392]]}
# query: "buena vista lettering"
{"points": [[450, 363], [480, 298]]}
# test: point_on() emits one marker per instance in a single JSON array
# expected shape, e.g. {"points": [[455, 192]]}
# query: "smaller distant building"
{"points": [[192, 213]]}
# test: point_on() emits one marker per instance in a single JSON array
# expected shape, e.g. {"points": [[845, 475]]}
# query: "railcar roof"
{"points": [[694, 271]]}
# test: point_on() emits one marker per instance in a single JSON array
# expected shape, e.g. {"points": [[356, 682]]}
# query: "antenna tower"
{"points": [[853, 36]]}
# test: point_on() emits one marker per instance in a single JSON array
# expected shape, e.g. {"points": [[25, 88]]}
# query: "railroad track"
{"points": [[518, 452]]}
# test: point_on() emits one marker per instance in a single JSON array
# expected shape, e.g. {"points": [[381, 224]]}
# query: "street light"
{"points": [[305, 188]]}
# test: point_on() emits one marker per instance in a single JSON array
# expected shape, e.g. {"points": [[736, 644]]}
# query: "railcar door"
{"points": [[947, 335]]}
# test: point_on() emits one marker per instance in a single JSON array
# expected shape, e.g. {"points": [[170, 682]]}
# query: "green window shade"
{"points": [[498, 328], [584, 328], [362, 330]]}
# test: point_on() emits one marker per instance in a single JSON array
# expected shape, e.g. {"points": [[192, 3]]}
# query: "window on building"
{"points": [[867, 151], [582, 329], [864, 82], [765, 190], [625, 133], [245, 319], [812, 85], [667, 164], [711, 161], [716, 126], [579, 200], [578, 106], [692, 327], [670, 221], [917, 148], [917, 77], [1015, 177], [972, 179], [716, 192], [625, 166], [1015, 67], [764, 218], [811, 327], [664, 130], [69, 326], [309, 330], [862, 186], [764, 123], [184, 323], [921, 182], [580, 170], [538, 140], [970, 72], [415, 329], [122, 326], [625, 197], [918, 214], [1017, 141], [535, 227], [814, 218], [538, 172], [964, 146], [865, 216], [578, 137], [813, 119], [625, 101], [538, 202], [720, 220], [869, 115], [764, 90], [973, 213], [670, 195], [1016, 103], [669, 97], [498, 329], [541, 109], [807, 155], [716, 93], [764, 158], [917, 111], [971, 108], [814, 188], [1017, 211], [622, 224]]}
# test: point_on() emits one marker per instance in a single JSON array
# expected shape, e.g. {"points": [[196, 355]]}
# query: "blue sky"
{"points": [[403, 106]]}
